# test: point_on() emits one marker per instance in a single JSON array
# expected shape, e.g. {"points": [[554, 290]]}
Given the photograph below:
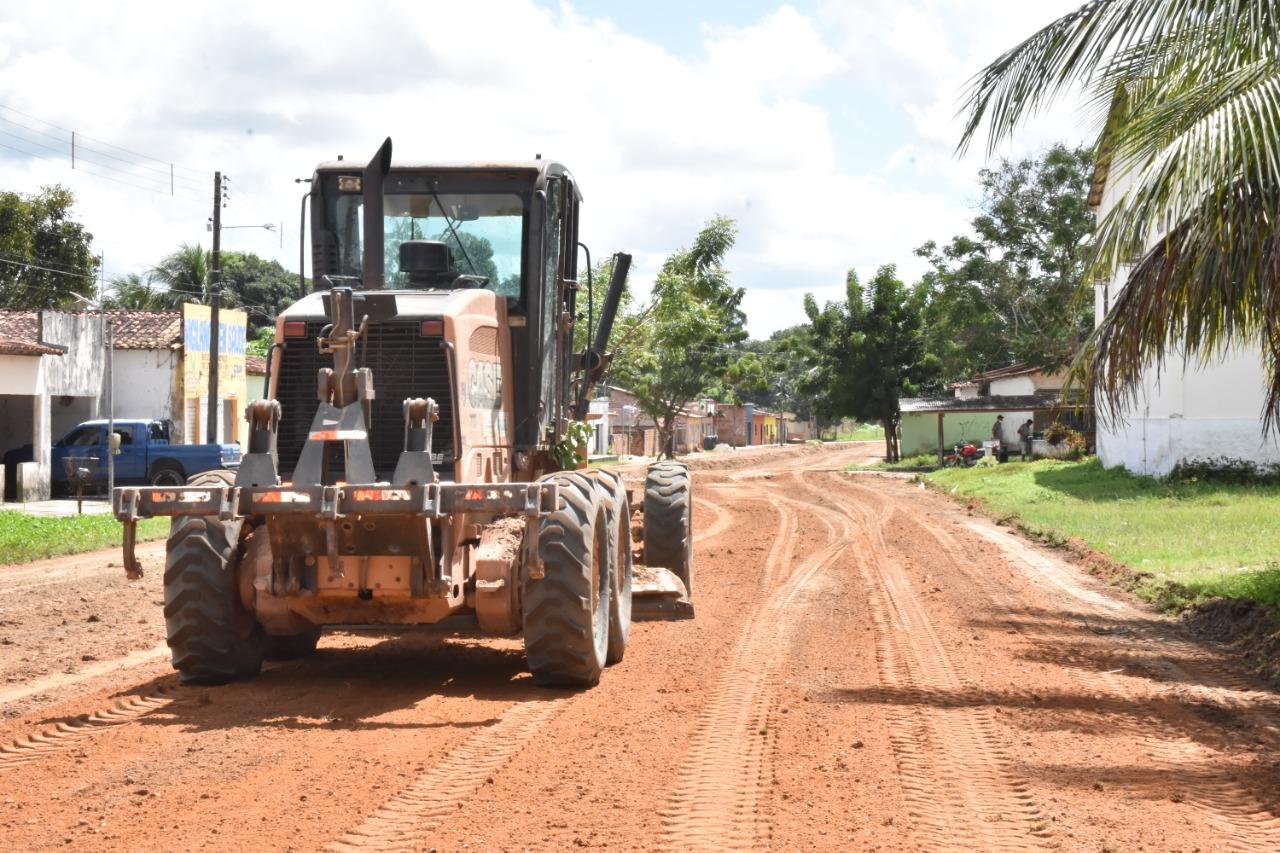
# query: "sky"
{"points": [[827, 130]]}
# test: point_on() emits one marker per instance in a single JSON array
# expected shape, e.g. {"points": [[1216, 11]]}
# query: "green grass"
{"points": [[864, 432], [1200, 540], [920, 463], [24, 538]]}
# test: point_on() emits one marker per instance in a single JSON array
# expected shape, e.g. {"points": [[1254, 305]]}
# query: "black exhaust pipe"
{"points": [[373, 273], [595, 359]]}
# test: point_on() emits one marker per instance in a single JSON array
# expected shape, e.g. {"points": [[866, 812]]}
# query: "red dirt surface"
{"points": [[871, 668]]}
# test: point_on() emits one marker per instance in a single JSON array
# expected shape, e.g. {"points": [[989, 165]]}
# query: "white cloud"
{"points": [[660, 142]]}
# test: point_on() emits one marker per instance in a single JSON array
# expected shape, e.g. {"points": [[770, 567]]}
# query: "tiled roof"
{"points": [[146, 329], [20, 334], [1019, 369], [8, 346], [255, 365]]}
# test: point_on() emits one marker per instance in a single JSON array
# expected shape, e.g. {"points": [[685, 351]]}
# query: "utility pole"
{"points": [[111, 404], [215, 282]]}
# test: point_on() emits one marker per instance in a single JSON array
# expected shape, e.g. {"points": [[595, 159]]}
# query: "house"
{"points": [[1189, 410], [748, 425], [1018, 391], [53, 376]]}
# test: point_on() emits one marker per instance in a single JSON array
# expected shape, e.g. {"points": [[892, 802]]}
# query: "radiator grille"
{"points": [[404, 364]]}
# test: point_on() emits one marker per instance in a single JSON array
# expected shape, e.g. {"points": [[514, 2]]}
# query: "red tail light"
{"points": [[295, 329], [433, 328]]}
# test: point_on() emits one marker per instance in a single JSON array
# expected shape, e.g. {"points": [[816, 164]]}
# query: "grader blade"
{"points": [[658, 595]]}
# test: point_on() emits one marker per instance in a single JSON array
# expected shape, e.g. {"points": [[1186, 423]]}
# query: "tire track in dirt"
{"points": [[406, 820], [724, 520], [1247, 824], [715, 802], [962, 787], [65, 734]]}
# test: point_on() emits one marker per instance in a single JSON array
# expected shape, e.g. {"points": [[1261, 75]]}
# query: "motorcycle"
{"points": [[963, 454]]}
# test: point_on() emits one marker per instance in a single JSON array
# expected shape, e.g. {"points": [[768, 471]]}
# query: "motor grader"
{"points": [[407, 463]]}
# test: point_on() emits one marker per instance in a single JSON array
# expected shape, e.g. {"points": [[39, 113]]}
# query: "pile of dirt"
{"points": [[1250, 630]]}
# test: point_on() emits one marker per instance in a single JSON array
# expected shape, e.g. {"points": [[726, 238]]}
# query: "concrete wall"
{"points": [[19, 374], [919, 430], [1014, 386], [78, 372], [145, 384]]}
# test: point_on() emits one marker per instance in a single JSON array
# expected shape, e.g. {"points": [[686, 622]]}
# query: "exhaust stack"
{"points": [[373, 272]]}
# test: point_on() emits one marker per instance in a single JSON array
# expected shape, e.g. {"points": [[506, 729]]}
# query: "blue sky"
{"points": [[825, 128]]}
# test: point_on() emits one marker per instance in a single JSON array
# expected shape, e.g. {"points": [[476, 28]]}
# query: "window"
{"points": [[550, 296], [125, 433], [158, 431], [484, 232], [85, 436]]}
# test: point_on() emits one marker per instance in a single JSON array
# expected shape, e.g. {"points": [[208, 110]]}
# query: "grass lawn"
{"points": [[864, 432], [24, 538], [1201, 540]]}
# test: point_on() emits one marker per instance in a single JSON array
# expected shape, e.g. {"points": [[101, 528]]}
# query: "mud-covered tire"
{"points": [[566, 611], [668, 520], [211, 637], [617, 510], [290, 647]]}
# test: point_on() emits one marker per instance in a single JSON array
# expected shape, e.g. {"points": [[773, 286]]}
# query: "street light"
{"points": [[109, 334]]}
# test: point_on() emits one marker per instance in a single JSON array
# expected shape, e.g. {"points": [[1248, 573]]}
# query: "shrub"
{"points": [[1058, 432], [1223, 469]]}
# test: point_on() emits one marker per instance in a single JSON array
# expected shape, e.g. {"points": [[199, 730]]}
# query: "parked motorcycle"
{"points": [[964, 453]]}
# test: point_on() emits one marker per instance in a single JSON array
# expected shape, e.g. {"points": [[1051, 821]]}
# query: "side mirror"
{"points": [[114, 444]]}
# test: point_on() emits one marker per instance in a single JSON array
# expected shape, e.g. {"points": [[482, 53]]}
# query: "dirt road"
{"points": [[871, 668]]}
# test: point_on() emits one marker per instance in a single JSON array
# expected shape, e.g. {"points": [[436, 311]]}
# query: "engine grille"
{"points": [[404, 364]]}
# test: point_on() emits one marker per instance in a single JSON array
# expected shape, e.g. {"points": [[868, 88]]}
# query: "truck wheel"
{"points": [[668, 520], [291, 646], [212, 638], [166, 474], [617, 511], [566, 612]]}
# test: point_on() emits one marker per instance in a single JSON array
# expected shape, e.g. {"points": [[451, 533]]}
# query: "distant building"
{"points": [[1019, 392]]}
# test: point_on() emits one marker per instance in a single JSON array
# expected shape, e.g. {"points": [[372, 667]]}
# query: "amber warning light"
{"points": [[432, 328]]}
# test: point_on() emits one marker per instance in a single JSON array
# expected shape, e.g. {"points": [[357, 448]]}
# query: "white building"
{"points": [[1190, 411]]}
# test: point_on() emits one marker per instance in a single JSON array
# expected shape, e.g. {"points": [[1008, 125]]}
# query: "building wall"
{"points": [[919, 430], [20, 374], [145, 385], [77, 372], [731, 425], [1014, 386]]}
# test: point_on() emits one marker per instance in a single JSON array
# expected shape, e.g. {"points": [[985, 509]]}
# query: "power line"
{"points": [[8, 108], [99, 175]]}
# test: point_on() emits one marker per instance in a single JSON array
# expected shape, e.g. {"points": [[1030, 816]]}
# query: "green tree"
{"points": [[261, 287], [1010, 292], [865, 352], [1192, 94], [135, 292], [185, 272], [680, 348], [600, 276], [773, 372], [37, 231]]}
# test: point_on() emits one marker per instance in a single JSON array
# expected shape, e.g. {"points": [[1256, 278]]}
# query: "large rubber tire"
{"points": [[566, 612], [212, 638], [617, 510], [291, 647], [668, 520]]}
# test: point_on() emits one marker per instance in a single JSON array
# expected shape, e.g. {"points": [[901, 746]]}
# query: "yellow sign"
{"points": [[197, 330]]}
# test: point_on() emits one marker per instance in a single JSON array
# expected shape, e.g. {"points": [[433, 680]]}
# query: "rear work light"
{"points": [[295, 329], [433, 328]]}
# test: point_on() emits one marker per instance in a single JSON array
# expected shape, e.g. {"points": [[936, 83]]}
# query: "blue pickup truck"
{"points": [[145, 456]]}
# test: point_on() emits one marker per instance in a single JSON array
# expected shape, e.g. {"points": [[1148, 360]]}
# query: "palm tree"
{"points": [[1188, 96], [137, 293], [185, 273]]}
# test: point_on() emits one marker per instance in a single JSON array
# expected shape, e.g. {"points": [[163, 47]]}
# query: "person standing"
{"points": [[997, 435], [1024, 439]]}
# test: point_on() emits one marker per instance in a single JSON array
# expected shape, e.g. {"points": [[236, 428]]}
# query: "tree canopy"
{"points": [[681, 346], [45, 254], [1191, 94], [1011, 290], [865, 352]]}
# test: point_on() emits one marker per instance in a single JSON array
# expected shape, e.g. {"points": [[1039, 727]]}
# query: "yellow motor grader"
{"points": [[407, 462]]}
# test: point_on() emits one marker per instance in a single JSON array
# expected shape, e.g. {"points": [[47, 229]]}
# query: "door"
{"points": [[84, 446], [131, 462]]}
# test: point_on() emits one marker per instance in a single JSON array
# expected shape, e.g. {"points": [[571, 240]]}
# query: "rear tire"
{"points": [[668, 520], [566, 612], [292, 646], [618, 519], [167, 474], [212, 638]]}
